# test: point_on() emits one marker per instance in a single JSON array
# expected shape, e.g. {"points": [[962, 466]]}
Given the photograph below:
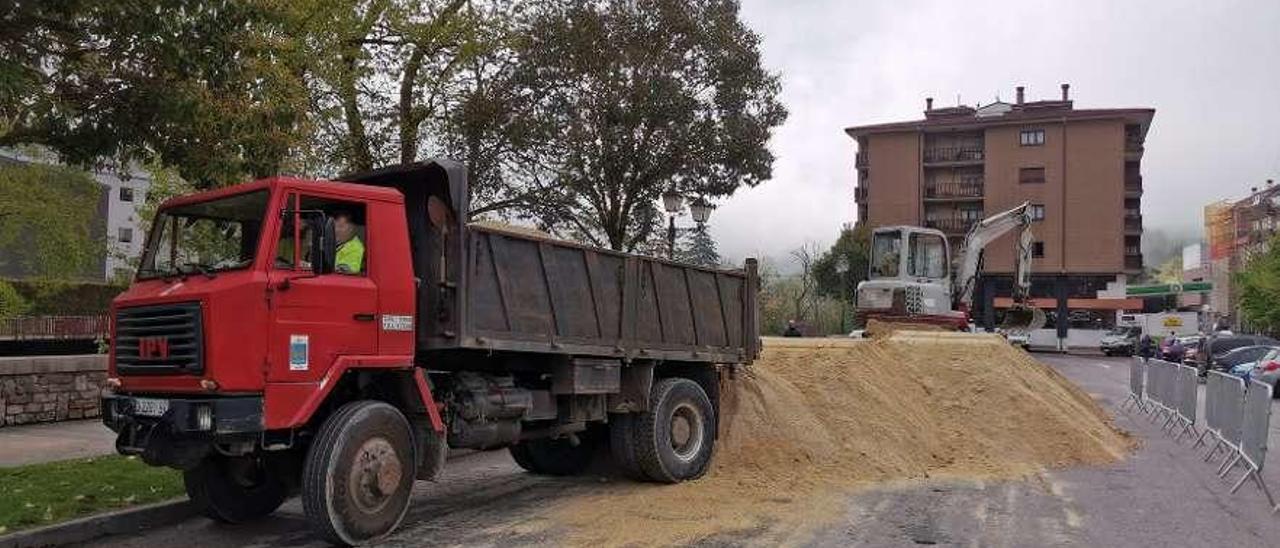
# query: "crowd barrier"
{"points": [[1237, 416]]}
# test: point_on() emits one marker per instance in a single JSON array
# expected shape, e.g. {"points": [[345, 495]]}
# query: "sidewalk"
{"points": [[46, 442]]}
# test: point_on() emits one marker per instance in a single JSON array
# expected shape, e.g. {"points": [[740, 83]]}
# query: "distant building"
{"points": [[118, 216], [1235, 231], [1194, 269], [1079, 168]]}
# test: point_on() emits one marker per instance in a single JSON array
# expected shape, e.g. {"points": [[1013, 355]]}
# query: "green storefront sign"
{"points": [[1168, 289]]}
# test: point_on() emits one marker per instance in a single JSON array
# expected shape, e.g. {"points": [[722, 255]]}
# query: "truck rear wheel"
{"points": [[359, 473], [234, 489], [675, 438], [555, 457]]}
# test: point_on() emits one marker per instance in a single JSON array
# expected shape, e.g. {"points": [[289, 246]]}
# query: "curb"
{"points": [[84, 529]]}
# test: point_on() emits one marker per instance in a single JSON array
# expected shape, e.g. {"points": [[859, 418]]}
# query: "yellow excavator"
{"points": [[910, 279]]}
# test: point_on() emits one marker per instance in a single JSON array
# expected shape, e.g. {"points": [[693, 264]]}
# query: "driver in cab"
{"points": [[350, 255]]}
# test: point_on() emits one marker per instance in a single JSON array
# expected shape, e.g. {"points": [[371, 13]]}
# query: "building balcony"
{"points": [[954, 225], [861, 160], [1133, 186], [954, 155], [964, 188], [860, 194], [1132, 261], [1133, 149], [1132, 223]]}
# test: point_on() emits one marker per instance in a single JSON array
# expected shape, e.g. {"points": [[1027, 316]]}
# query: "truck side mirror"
{"points": [[323, 245]]}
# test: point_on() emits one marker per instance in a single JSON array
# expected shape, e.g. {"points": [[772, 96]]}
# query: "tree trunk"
{"points": [[408, 114], [361, 159]]}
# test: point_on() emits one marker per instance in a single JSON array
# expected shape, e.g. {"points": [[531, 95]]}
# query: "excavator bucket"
{"points": [[1021, 318]]}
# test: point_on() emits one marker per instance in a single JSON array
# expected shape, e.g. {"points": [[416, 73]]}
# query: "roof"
{"points": [[1039, 111], [351, 189]]}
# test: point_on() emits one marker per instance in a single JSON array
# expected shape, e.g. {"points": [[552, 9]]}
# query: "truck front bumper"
{"points": [[179, 432]]}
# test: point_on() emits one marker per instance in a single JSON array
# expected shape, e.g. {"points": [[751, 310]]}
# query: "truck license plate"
{"points": [[148, 407]]}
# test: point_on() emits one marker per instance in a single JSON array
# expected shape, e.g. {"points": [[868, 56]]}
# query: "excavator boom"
{"points": [[1021, 317]]}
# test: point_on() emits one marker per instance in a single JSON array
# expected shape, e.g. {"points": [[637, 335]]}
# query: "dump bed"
{"points": [[500, 290], [527, 293]]}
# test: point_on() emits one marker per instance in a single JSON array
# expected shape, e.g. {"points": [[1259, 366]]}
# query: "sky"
{"points": [[1210, 69]]}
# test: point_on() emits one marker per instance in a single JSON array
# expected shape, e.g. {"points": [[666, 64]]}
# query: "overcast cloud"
{"points": [[1208, 68]]}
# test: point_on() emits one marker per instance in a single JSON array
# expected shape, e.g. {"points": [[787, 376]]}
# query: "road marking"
{"points": [[1102, 365]]}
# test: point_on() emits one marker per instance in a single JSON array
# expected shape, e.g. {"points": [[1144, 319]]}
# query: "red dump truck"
{"points": [[244, 357]]}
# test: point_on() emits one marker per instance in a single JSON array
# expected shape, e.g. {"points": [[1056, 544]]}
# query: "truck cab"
{"points": [[909, 278]]}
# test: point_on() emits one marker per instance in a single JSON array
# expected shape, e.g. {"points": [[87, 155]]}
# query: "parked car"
{"points": [[1244, 355], [1268, 372], [1121, 341], [1214, 348], [1021, 340], [1192, 345]]}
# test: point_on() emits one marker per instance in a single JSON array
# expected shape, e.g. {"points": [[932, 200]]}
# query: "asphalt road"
{"points": [[1162, 495]]}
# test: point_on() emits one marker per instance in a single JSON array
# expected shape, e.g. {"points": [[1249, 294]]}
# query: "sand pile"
{"points": [[877, 329], [816, 418]]}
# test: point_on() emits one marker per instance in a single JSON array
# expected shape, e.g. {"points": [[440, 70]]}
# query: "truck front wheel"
{"points": [[234, 489], [359, 473], [675, 438]]}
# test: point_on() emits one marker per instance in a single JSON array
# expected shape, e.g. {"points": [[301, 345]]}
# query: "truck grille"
{"points": [[160, 339]]}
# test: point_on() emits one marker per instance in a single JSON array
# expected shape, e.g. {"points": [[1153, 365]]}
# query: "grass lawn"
{"points": [[40, 494]]}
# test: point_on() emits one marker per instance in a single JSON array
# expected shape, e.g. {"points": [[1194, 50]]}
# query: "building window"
{"points": [[1037, 250], [1031, 137], [125, 235], [126, 194], [1037, 212], [1031, 175]]}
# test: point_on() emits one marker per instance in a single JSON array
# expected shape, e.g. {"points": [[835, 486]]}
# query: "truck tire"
{"points": [[622, 445], [676, 436], [555, 457], [359, 473], [234, 489]]}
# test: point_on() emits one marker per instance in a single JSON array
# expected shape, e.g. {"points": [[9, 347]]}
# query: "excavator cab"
{"points": [[909, 278]]}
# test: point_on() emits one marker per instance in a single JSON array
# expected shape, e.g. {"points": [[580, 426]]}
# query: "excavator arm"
{"points": [[1020, 317]]}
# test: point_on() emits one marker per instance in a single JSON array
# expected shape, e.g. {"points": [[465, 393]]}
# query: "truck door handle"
{"points": [[364, 317]]}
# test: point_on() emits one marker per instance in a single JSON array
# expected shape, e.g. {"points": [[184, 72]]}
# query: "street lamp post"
{"points": [[673, 202]]}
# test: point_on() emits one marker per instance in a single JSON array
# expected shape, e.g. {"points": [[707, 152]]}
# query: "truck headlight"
{"points": [[204, 417], [875, 297]]}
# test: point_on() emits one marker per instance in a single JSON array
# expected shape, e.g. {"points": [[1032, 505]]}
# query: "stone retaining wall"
{"points": [[50, 388]]}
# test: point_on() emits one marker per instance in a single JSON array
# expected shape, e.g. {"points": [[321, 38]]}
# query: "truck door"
{"points": [[316, 318]]}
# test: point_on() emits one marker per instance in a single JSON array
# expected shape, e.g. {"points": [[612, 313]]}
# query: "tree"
{"points": [[1259, 290], [643, 96], [853, 249], [47, 222], [805, 299], [698, 247], [212, 88]]}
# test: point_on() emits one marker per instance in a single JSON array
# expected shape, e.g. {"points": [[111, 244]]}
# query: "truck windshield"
{"points": [[204, 237], [886, 250]]}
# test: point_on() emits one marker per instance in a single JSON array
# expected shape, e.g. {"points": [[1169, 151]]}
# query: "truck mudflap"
{"points": [[179, 432]]}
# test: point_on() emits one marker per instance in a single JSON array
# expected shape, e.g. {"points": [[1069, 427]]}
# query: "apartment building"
{"points": [[1079, 168]]}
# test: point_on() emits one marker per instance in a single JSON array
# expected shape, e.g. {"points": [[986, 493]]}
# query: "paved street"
{"points": [[46, 442], [1162, 495]]}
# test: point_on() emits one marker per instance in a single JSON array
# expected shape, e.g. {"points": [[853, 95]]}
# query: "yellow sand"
{"points": [[814, 419]]}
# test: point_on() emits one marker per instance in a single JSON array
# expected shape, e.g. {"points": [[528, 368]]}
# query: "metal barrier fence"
{"points": [[30, 328], [1237, 416], [1187, 381], [1137, 383], [1254, 429]]}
